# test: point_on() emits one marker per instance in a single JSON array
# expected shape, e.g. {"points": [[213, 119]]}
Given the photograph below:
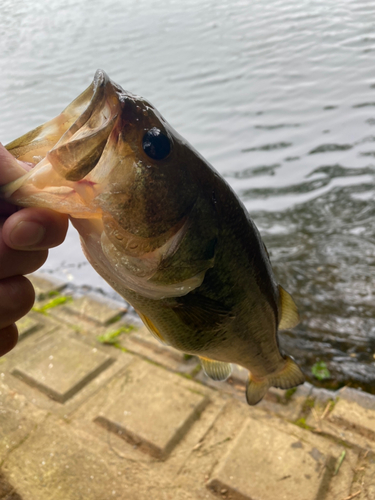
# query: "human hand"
{"points": [[25, 238]]}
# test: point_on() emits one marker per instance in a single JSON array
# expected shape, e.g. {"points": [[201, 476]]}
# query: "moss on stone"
{"points": [[289, 393], [110, 337], [301, 422], [55, 302]]}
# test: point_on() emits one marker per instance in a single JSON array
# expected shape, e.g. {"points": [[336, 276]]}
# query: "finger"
{"points": [[10, 168], [17, 262], [35, 229], [8, 338], [16, 299]]}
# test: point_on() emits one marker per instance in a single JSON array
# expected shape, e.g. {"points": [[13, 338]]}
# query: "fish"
{"points": [[164, 229]]}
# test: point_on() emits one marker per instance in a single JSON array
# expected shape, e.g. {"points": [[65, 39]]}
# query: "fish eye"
{"points": [[155, 144]]}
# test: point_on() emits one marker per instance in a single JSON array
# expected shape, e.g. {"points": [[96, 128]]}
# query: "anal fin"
{"points": [[256, 390], [217, 370]]}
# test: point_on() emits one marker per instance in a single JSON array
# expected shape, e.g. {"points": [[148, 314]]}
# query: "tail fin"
{"points": [[290, 376]]}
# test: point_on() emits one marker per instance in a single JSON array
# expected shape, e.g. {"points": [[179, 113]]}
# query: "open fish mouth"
{"points": [[66, 150]]}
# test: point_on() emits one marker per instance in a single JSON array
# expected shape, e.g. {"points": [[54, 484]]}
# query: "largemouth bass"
{"points": [[164, 229]]}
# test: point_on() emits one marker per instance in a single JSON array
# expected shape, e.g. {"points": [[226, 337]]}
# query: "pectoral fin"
{"points": [[200, 312], [217, 370], [152, 328], [289, 316]]}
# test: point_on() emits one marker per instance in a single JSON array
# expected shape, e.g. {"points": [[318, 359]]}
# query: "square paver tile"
{"points": [[153, 411], [26, 326], [60, 367], [100, 310], [44, 285], [266, 463], [352, 415]]}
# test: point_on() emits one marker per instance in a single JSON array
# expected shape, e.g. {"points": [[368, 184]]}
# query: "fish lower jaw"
{"points": [[61, 199]]}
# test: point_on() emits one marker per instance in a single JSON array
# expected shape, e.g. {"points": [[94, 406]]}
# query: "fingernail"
{"points": [[27, 234]]}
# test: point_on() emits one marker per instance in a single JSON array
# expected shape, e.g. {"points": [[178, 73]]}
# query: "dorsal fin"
{"points": [[289, 316]]}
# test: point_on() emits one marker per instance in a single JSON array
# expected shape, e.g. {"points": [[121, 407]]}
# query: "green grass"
{"points": [[196, 370], [289, 393], [111, 336], [301, 422], [308, 404], [320, 371], [339, 462], [57, 301]]}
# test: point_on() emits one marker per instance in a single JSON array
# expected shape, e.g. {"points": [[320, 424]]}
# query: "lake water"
{"points": [[279, 96]]}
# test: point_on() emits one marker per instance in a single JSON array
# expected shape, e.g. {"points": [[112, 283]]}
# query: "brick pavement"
{"points": [[93, 408]]}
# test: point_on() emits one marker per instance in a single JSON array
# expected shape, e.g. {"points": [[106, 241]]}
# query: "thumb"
{"points": [[10, 168]]}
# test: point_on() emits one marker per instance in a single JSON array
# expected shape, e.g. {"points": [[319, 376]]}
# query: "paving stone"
{"points": [[29, 342], [352, 415], [101, 310], [142, 342], [26, 326], [340, 432], [198, 436], [369, 479], [317, 408], [7, 490], [362, 398], [151, 410], [18, 418], [59, 462], [144, 337], [341, 462], [40, 341], [266, 463], [44, 285], [56, 462], [64, 315], [61, 367], [78, 322], [287, 403], [184, 452], [363, 486]]}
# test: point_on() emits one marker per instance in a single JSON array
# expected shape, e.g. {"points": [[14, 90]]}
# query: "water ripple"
{"points": [[324, 148], [268, 147]]}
